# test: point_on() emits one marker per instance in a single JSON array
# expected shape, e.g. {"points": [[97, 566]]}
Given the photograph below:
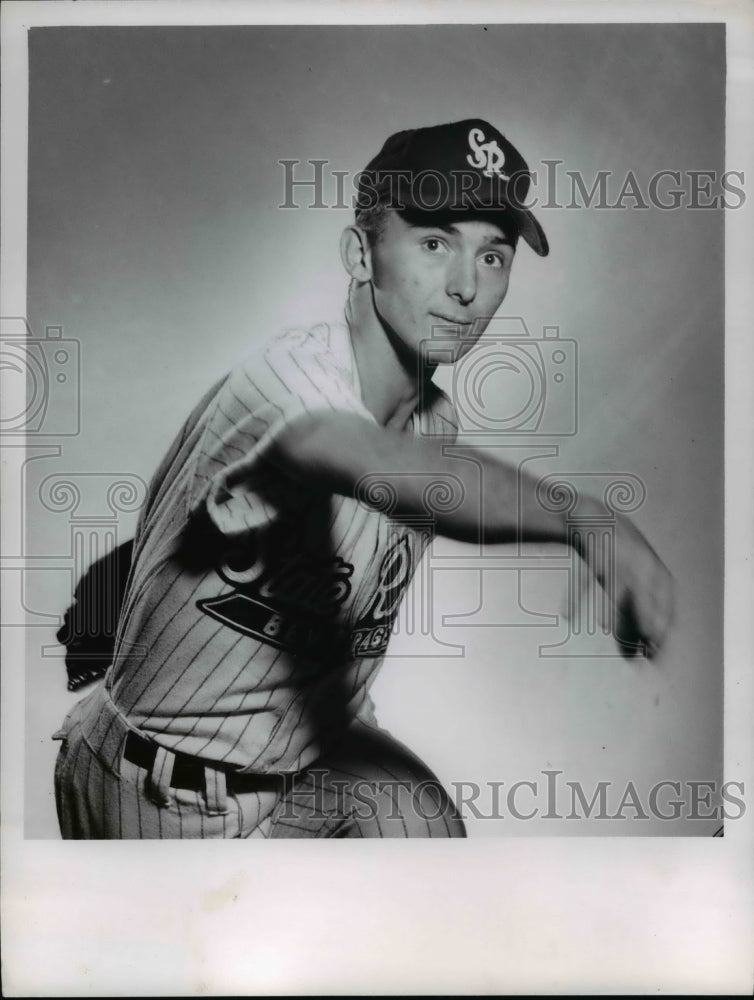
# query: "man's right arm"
{"points": [[347, 454]]}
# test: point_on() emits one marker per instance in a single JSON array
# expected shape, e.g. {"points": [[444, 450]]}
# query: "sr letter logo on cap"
{"points": [[486, 156]]}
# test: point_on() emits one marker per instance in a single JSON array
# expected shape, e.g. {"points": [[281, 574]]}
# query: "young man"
{"points": [[283, 526]]}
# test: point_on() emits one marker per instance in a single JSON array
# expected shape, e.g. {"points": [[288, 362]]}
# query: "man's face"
{"points": [[429, 277]]}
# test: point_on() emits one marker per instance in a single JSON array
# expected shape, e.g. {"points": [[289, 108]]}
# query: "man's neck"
{"points": [[389, 379]]}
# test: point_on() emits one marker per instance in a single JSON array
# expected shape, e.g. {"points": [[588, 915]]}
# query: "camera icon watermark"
{"points": [[510, 383], [41, 378]]}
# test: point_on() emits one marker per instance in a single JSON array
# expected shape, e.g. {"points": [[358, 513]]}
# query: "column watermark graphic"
{"points": [[84, 511]]}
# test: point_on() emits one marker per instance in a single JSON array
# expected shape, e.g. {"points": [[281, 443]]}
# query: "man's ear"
{"points": [[356, 253]]}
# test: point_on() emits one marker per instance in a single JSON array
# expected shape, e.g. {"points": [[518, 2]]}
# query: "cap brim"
{"points": [[524, 221], [482, 203], [531, 230]]}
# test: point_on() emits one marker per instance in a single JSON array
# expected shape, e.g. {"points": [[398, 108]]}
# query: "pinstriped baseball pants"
{"points": [[369, 785]]}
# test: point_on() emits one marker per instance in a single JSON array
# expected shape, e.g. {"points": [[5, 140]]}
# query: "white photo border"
{"points": [[613, 915]]}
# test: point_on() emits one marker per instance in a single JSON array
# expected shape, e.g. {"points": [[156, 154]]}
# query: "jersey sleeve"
{"points": [[299, 373]]}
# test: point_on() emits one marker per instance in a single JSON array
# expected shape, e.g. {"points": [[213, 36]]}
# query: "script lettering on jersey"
{"points": [[486, 156], [298, 605], [286, 574], [371, 632], [294, 606]]}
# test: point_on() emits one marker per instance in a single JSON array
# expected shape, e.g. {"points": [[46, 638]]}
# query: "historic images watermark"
{"points": [[547, 796], [315, 183]]}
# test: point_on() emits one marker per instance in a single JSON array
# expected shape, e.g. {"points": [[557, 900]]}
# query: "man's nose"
{"points": [[462, 278]]}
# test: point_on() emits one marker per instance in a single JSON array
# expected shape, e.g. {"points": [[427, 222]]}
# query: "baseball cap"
{"points": [[467, 166]]}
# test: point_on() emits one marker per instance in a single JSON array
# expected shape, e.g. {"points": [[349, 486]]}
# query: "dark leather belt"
{"points": [[188, 771]]}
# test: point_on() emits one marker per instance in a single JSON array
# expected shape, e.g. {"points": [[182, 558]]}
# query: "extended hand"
{"points": [[639, 586]]}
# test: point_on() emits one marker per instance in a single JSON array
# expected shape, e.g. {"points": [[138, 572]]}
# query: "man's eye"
{"points": [[493, 260], [433, 245]]}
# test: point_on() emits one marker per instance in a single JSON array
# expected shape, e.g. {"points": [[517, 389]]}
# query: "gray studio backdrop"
{"points": [[158, 247]]}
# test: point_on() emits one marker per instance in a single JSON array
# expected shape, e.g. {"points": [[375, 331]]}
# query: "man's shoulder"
{"points": [[321, 338], [300, 349], [307, 367]]}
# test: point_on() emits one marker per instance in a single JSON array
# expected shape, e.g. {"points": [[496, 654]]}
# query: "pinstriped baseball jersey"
{"points": [[257, 645]]}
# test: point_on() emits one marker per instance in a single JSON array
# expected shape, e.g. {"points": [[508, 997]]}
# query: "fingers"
{"points": [[628, 631], [645, 612], [636, 586]]}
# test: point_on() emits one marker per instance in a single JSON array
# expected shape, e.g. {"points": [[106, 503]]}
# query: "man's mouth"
{"points": [[451, 320]]}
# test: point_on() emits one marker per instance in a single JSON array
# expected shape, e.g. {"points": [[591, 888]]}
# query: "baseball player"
{"points": [[283, 526]]}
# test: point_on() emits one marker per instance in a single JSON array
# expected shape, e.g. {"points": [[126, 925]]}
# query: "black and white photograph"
{"points": [[376, 467]]}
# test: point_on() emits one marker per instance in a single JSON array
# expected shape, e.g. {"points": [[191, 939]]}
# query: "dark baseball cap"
{"points": [[467, 166]]}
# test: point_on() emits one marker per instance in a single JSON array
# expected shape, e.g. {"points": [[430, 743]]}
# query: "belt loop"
{"points": [[215, 791], [158, 783]]}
